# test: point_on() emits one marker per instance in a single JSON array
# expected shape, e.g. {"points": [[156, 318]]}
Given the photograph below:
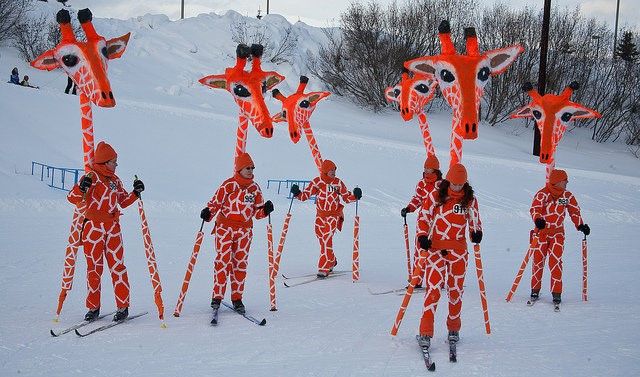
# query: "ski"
{"points": [[110, 325], [453, 353], [245, 315], [78, 325], [415, 290], [311, 280], [313, 274], [531, 302], [556, 308], [214, 318], [430, 364], [397, 290]]}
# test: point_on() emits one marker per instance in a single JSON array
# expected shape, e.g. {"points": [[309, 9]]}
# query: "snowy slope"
{"points": [[178, 136]]}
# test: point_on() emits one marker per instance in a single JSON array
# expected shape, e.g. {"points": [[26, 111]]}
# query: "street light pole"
{"points": [[182, 10], [542, 71], [267, 6], [615, 32]]}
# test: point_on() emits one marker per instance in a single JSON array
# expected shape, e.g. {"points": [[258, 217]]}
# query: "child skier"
{"points": [[329, 216], [236, 202], [449, 209], [548, 211], [101, 192], [430, 176]]}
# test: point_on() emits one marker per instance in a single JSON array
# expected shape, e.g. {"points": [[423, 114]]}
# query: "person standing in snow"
{"points": [[328, 190], [430, 176], [235, 202], [15, 77], [450, 209], [101, 192], [547, 211]]}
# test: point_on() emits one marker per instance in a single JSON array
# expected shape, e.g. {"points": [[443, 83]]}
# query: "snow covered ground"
{"points": [[178, 136]]}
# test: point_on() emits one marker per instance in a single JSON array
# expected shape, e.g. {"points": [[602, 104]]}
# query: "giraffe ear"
{"points": [[424, 66], [45, 61], [279, 117], [315, 97], [214, 81], [580, 112], [501, 59], [116, 46], [272, 79], [524, 112], [390, 94]]}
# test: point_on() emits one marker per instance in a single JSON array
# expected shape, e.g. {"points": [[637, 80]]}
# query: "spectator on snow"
{"points": [[25, 82], [15, 77]]}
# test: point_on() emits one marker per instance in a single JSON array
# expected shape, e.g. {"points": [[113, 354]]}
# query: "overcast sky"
{"points": [[322, 12]]}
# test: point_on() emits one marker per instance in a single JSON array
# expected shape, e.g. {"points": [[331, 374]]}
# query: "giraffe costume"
{"points": [[548, 211], [447, 254], [101, 235], [329, 215], [236, 202]]}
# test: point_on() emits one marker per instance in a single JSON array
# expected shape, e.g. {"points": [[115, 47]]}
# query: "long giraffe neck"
{"points": [[426, 134], [87, 130], [313, 145], [241, 135], [455, 147]]}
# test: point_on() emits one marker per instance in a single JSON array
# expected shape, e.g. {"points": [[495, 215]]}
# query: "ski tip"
{"points": [[163, 325], [56, 319], [432, 367], [77, 333], [263, 322], [214, 323], [285, 284], [52, 333]]}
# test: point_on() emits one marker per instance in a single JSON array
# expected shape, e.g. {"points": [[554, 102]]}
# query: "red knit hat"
{"points": [[242, 161], [326, 166], [457, 174], [104, 152], [557, 175], [432, 162]]}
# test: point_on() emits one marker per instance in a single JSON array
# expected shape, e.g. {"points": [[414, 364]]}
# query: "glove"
{"points": [[205, 214], [268, 207], [404, 211], [584, 228], [540, 223], [138, 187], [85, 183], [476, 236], [357, 192], [425, 242], [295, 190]]}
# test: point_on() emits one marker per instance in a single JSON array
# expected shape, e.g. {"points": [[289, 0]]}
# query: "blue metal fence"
{"points": [[288, 183], [58, 180]]}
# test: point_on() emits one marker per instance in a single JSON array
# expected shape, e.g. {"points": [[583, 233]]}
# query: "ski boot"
{"points": [[454, 337], [322, 274], [556, 298], [215, 303], [121, 314], [238, 306], [92, 315], [335, 263], [424, 341], [535, 295]]}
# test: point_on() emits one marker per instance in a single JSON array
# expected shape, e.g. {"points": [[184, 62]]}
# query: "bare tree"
{"points": [[276, 51], [11, 12]]}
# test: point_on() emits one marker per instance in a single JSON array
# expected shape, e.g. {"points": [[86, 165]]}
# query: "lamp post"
{"points": [[615, 31], [597, 38], [542, 71], [182, 10]]}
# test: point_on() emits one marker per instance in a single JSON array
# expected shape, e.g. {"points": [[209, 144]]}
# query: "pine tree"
{"points": [[626, 49]]}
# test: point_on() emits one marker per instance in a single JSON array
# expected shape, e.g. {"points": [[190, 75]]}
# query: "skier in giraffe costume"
{"points": [[430, 176], [101, 192], [236, 202], [329, 190], [449, 209], [547, 211]]}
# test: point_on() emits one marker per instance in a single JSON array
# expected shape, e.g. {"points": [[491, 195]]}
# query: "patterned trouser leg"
{"points": [[99, 242], [421, 228], [551, 246], [325, 227], [437, 268], [231, 260]]}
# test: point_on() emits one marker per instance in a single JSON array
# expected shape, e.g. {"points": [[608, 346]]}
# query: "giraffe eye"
{"points": [[396, 92], [304, 104], [483, 74], [566, 117], [422, 88], [537, 114], [241, 91], [104, 52], [447, 76], [70, 60]]}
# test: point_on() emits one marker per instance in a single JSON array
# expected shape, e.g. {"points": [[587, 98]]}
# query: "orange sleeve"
{"points": [[574, 210], [345, 194], [311, 190], [258, 204], [218, 199], [125, 199]]}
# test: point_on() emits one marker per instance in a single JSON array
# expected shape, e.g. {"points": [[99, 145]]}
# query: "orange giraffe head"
{"points": [[462, 78], [247, 87], [552, 113], [412, 93], [84, 62], [297, 108]]}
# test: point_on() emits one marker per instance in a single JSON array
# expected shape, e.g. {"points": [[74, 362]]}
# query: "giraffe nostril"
{"points": [[473, 127], [466, 127], [104, 95], [111, 95]]}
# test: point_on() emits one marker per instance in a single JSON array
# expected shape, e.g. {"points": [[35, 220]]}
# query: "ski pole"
{"points": [[151, 261], [483, 293], [355, 266], [525, 261], [271, 259], [71, 253], [276, 262], [418, 271], [190, 267], [584, 268], [408, 248]]}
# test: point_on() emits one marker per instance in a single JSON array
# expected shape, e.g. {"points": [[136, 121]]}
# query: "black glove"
{"points": [[404, 211], [425, 242], [138, 187], [268, 207], [584, 228], [85, 183], [476, 236], [357, 192], [295, 190], [205, 214], [540, 223]]}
